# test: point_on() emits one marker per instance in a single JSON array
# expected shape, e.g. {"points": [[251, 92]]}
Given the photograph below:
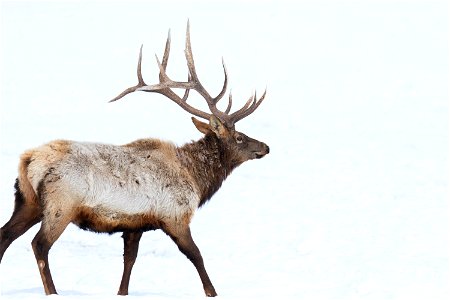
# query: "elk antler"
{"points": [[166, 85]]}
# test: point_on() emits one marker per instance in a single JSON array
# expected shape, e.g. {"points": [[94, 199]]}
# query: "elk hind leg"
{"points": [[54, 222], [26, 214], [130, 251], [181, 235]]}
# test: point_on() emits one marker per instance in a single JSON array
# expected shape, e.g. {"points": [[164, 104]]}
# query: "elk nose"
{"points": [[267, 149]]}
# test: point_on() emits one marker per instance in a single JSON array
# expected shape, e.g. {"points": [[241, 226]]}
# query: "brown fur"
{"points": [[89, 219], [53, 151], [24, 184], [150, 144], [210, 164]]}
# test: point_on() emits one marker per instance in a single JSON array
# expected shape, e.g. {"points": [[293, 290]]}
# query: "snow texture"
{"points": [[351, 203]]}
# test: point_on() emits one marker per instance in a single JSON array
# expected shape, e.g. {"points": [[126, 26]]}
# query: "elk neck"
{"points": [[209, 161]]}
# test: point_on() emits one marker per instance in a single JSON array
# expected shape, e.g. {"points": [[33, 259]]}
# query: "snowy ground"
{"points": [[351, 203]]}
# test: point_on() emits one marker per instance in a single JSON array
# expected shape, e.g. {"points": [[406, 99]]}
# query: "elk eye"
{"points": [[239, 139]]}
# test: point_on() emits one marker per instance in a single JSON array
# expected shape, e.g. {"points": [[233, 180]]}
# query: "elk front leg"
{"points": [[130, 250], [181, 235]]}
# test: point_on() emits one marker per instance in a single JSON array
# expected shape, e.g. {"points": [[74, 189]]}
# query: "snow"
{"points": [[351, 203]]}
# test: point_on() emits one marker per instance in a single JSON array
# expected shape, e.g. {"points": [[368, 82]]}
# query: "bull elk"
{"points": [[145, 185]]}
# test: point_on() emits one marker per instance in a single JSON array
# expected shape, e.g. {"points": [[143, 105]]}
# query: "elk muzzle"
{"points": [[265, 150]]}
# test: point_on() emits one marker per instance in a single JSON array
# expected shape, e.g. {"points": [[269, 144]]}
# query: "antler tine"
{"points": [[141, 82], [186, 92], [162, 67], [225, 83], [247, 109], [198, 86], [189, 56], [166, 55], [139, 67], [240, 111], [230, 102], [243, 108], [194, 77], [224, 89], [162, 71]]}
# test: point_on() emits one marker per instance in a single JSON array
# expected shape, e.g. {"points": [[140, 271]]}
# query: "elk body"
{"points": [[145, 185]]}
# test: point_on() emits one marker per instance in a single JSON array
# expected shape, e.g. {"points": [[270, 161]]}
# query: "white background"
{"points": [[351, 203]]}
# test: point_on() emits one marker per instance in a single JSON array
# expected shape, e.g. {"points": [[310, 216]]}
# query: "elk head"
{"points": [[243, 146], [221, 123]]}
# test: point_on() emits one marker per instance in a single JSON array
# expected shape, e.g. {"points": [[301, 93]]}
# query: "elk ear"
{"points": [[217, 127], [201, 126]]}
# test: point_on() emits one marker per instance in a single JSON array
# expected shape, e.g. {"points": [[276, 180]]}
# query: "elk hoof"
{"points": [[210, 292]]}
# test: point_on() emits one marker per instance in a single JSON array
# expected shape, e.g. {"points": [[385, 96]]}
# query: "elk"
{"points": [[145, 185]]}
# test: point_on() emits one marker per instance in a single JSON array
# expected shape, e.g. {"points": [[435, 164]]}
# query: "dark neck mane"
{"points": [[210, 162]]}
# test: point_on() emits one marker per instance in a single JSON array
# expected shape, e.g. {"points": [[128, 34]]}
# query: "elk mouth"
{"points": [[261, 154]]}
